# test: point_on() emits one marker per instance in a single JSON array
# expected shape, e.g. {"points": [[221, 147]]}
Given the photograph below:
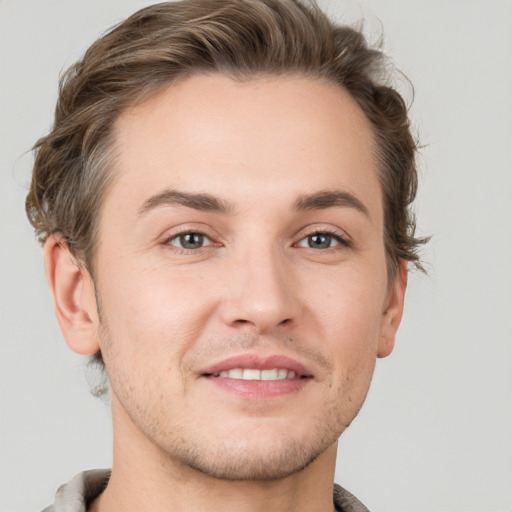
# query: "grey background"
{"points": [[436, 431]]}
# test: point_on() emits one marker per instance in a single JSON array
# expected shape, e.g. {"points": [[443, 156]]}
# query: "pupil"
{"points": [[191, 240], [319, 241]]}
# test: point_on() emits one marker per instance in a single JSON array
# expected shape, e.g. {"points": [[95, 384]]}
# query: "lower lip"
{"points": [[260, 389]]}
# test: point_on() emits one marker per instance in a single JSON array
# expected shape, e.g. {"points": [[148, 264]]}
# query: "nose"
{"points": [[262, 292]]}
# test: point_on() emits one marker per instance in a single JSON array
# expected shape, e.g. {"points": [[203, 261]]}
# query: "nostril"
{"points": [[241, 321]]}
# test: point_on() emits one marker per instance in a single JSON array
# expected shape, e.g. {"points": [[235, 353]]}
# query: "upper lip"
{"points": [[259, 362]]}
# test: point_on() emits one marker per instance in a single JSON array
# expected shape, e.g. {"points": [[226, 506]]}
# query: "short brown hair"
{"points": [[240, 38]]}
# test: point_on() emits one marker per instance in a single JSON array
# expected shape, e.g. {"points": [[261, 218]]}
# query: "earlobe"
{"points": [[73, 296], [392, 315]]}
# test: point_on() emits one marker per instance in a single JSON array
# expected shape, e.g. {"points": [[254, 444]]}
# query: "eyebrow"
{"points": [[330, 199], [209, 203], [203, 202]]}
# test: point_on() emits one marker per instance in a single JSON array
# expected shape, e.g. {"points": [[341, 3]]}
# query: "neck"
{"points": [[145, 479]]}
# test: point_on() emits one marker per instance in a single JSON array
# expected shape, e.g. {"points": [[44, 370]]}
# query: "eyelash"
{"points": [[342, 242], [183, 250]]}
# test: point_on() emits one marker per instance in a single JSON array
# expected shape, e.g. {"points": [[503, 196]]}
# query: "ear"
{"points": [[393, 309], [73, 296]]}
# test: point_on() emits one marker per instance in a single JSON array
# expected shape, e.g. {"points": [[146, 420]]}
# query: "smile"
{"points": [[258, 377], [255, 374]]}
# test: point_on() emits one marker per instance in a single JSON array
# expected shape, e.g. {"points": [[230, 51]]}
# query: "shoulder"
{"points": [[79, 491], [345, 501]]}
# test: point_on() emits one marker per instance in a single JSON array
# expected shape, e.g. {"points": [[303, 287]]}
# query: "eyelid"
{"points": [[186, 227], [179, 235], [341, 236], [178, 231], [344, 240]]}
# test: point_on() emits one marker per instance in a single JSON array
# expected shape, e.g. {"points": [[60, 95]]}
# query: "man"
{"points": [[224, 206]]}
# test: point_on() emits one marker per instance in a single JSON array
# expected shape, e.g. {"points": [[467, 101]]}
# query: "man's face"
{"points": [[242, 239]]}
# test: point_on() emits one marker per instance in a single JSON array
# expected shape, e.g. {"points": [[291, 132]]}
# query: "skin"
{"points": [[255, 287]]}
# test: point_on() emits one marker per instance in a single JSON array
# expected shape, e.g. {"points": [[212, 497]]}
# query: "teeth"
{"points": [[251, 374], [254, 374], [281, 374], [269, 374]]}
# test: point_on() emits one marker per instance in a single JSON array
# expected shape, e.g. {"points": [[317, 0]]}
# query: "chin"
{"points": [[237, 466], [269, 456]]}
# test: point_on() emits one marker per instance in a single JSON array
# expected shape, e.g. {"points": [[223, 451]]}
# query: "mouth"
{"points": [[258, 377], [256, 374]]}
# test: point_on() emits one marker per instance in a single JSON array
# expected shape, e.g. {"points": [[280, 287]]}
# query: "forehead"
{"points": [[281, 137]]}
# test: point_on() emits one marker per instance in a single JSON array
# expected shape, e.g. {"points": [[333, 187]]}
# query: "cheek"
{"points": [[349, 318], [352, 345], [152, 315], [352, 310]]}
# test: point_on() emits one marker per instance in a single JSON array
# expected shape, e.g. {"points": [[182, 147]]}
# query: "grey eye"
{"points": [[319, 241], [190, 241]]}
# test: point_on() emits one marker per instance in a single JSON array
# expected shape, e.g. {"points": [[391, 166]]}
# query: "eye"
{"points": [[322, 241], [191, 240]]}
